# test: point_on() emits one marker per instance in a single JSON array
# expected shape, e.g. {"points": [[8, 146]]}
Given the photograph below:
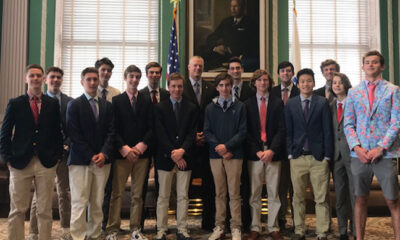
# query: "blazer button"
{"points": [[34, 144], [36, 131], [371, 131], [177, 137]]}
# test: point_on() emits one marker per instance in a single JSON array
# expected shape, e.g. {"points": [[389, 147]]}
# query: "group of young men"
{"points": [[233, 134]]}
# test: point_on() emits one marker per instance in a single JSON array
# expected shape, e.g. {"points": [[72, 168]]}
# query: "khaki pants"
{"points": [[64, 199], [20, 195], [122, 169], [304, 169], [259, 171], [182, 188], [226, 174], [87, 183]]}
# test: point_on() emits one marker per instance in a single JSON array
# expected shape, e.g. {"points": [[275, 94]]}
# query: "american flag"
{"points": [[173, 54]]}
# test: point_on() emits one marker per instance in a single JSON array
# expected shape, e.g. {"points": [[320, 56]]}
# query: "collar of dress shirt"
{"points": [[194, 81], [90, 97], [288, 87], [376, 82], [130, 95], [173, 100], [151, 89], [221, 101], [304, 98], [31, 95], [343, 102]]}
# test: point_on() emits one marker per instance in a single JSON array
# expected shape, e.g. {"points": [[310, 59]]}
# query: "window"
{"points": [[336, 29], [122, 30]]}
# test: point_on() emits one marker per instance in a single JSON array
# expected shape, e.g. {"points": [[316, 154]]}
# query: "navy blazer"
{"points": [[172, 136], [246, 92], [89, 137], [275, 128], [44, 138], [317, 128], [132, 128]]}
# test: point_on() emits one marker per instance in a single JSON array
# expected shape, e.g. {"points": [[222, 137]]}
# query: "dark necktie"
{"points": [[339, 112], [236, 93], [35, 109], [305, 114], [134, 104], [225, 105], [104, 94], [176, 111], [197, 91], [94, 108], [154, 96]]}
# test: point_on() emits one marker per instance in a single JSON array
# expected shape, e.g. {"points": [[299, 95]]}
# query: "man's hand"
{"points": [[136, 151], [375, 153], [132, 157], [267, 156], [260, 154], [362, 154], [177, 154], [99, 159], [181, 163], [200, 139], [227, 156], [221, 149]]}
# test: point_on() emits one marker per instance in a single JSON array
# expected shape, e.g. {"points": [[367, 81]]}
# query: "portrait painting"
{"points": [[225, 29]]}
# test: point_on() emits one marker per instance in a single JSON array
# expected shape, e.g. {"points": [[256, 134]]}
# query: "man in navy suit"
{"points": [[91, 130], [133, 123], [176, 121], [285, 90], [31, 146], [54, 79], [200, 93], [309, 148], [153, 90]]}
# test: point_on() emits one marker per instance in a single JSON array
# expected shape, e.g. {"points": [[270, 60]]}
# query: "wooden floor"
{"points": [[377, 228]]}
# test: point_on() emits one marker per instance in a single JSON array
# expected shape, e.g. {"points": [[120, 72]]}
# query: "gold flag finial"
{"points": [[175, 2]]}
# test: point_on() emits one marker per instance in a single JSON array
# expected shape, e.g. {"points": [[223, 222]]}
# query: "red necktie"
{"points": [[339, 112], [154, 96], [371, 95], [35, 109], [263, 119], [285, 95]]}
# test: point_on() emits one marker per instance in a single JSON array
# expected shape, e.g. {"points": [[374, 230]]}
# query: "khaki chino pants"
{"points": [[227, 175], [122, 169], [20, 195], [270, 172], [304, 169]]}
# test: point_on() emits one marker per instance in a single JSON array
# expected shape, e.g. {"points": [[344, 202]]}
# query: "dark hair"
{"points": [[285, 64], [132, 68], [223, 76], [259, 73], [345, 81], [54, 69], [174, 77], [328, 62], [105, 61], [234, 60], [374, 53], [305, 71], [151, 65], [89, 70], [36, 66]]}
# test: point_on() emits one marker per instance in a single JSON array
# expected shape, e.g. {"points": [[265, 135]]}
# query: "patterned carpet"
{"points": [[377, 228]]}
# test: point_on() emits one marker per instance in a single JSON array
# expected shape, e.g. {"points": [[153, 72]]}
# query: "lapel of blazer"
{"points": [[43, 107], [171, 115], [379, 93], [190, 92], [28, 109], [256, 114], [312, 107], [126, 104], [86, 105], [299, 109], [334, 115], [204, 92]]}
